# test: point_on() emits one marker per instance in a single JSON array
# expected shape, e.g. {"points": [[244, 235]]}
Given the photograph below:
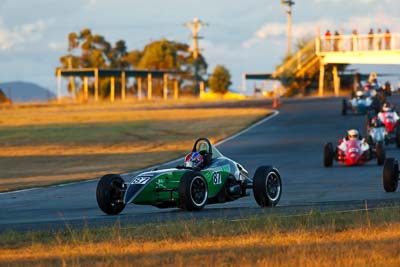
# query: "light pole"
{"points": [[195, 26], [289, 3]]}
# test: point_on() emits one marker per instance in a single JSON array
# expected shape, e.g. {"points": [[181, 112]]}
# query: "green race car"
{"points": [[206, 177]]}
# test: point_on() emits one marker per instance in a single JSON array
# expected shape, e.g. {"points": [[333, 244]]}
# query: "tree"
{"points": [[220, 80], [88, 50]]}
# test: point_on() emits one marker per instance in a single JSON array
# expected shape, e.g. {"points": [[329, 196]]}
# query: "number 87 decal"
{"points": [[217, 178]]}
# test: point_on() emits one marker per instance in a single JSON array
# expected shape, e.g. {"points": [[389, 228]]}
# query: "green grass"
{"points": [[360, 238], [191, 229]]}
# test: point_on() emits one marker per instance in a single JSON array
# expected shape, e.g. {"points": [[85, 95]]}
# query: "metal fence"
{"points": [[358, 43]]}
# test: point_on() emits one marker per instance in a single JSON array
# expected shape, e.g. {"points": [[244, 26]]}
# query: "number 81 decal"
{"points": [[217, 178]]}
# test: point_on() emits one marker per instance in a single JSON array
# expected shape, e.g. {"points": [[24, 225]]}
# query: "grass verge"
{"points": [[362, 238], [57, 145]]}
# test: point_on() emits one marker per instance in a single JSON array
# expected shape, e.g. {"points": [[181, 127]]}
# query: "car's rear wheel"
{"points": [[344, 107], [193, 191], [328, 155], [390, 175], [397, 137], [380, 153], [267, 186], [109, 194]]}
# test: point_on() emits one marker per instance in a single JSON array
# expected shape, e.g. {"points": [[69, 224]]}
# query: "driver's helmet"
{"points": [[352, 134], [375, 122], [193, 160], [359, 93], [386, 107]]}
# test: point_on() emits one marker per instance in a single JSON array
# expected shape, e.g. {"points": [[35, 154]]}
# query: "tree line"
{"points": [[89, 50]]}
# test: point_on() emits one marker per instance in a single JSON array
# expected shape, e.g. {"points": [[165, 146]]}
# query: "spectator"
{"points": [[336, 41], [388, 38], [371, 39], [328, 40], [379, 39], [354, 38]]}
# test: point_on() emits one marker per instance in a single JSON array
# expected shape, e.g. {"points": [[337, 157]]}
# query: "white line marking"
{"points": [[274, 114]]}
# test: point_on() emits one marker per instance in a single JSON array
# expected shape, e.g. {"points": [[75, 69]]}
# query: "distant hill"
{"points": [[26, 92]]}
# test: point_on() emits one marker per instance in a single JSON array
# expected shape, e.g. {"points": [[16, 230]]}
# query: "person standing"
{"points": [[336, 41], [379, 39], [388, 38], [354, 40], [328, 40], [371, 39]]}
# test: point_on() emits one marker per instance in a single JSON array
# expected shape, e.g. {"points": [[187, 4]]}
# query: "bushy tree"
{"points": [[220, 80], [88, 50]]}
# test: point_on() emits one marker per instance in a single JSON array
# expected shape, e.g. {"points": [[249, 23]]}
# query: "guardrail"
{"points": [[358, 43]]}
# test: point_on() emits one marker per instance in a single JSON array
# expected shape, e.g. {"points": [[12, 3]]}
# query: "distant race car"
{"points": [[360, 103], [356, 153], [190, 188], [390, 175], [385, 132]]}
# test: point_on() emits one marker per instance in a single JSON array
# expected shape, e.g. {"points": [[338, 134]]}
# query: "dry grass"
{"points": [[55, 144], [315, 240]]}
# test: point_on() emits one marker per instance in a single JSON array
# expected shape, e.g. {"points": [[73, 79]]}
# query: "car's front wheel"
{"points": [[328, 155], [267, 186], [390, 175], [380, 153], [109, 194], [193, 191]]}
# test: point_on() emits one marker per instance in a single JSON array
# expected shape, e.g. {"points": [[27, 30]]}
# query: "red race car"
{"points": [[353, 150], [391, 121]]}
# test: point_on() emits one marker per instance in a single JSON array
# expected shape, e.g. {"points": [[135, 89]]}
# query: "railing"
{"points": [[358, 43], [297, 61]]}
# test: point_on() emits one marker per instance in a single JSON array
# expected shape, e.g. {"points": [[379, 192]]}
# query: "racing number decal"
{"points": [[217, 178], [141, 180]]}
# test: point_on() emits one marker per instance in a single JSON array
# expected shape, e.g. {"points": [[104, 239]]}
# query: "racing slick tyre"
{"points": [[344, 107], [397, 137], [380, 154], [376, 104], [367, 122], [267, 186], [193, 191], [109, 194], [390, 175], [328, 155]]}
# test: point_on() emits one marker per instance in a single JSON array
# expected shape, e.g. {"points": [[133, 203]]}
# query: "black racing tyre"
{"points": [[328, 155], [376, 104], [390, 175], [380, 153], [370, 141], [397, 137], [109, 194], [193, 191], [344, 107], [267, 186], [367, 122]]}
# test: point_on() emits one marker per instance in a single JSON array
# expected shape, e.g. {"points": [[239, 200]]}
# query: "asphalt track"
{"points": [[292, 141]]}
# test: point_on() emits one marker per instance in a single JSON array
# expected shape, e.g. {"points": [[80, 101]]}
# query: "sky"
{"points": [[244, 36]]}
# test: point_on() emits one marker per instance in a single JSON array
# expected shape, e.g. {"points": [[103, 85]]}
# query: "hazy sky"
{"points": [[245, 36]]}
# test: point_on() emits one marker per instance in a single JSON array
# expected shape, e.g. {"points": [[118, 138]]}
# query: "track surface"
{"points": [[292, 141]]}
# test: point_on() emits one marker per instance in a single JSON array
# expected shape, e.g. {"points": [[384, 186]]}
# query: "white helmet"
{"points": [[386, 107], [352, 134]]}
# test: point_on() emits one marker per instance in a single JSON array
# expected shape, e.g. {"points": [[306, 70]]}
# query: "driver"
{"points": [[388, 112], [352, 134], [194, 160]]}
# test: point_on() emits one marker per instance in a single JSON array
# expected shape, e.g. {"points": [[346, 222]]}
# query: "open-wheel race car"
{"points": [[206, 177], [353, 150], [361, 102], [383, 129], [390, 175]]}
